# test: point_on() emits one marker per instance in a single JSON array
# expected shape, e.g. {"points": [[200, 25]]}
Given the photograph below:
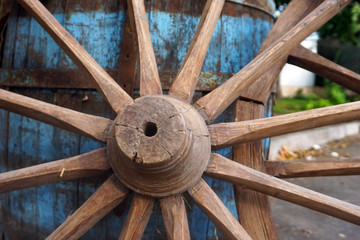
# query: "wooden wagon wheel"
{"points": [[160, 146]]}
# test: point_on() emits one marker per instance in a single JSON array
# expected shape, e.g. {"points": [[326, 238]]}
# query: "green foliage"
{"points": [[345, 26], [300, 102], [335, 93]]}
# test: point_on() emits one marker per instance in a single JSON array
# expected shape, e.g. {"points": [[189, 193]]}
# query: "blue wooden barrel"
{"points": [[35, 66]]}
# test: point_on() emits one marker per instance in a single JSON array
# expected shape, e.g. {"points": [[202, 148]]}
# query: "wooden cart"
{"points": [[158, 146]]}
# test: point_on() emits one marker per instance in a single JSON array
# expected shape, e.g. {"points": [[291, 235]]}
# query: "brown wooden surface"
{"points": [[289, 169], [175, 219], [149, 76], [106, 198], [185, 82], [293, 13], [167, 162], [77, 122], [137, 218], [214, 103], [226, 134], [315, 63], [227, 170], [85, 165], [250, 204], [73, 78], [127, 58], [5, 7], [212, 206], [112, 92]]}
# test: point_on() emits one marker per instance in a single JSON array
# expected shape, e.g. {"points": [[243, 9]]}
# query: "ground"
{"points": [[294, 222]]}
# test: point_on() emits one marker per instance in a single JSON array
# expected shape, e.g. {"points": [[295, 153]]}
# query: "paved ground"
{"points": [[294, 222]]}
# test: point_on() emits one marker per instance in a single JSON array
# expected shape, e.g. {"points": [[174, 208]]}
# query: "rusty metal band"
{"points": [[266, 6]]}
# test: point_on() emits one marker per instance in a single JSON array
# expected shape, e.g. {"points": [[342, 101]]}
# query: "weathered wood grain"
{"points": [[175, 218], [112, 92], [149, 76], [77, 122], [159, 146], [5, 7], [250, 204], [289, 169], [212, 104], [315, 63], [85, 165], [128, 57], [137, 218], [227, 170], [212, 206], [106, 198], [185, 82], [226, 134]]}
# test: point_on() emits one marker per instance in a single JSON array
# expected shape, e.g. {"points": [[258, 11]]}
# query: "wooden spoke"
{"points": [[175, 219], [85, 165], [185, 82], [106, 198], [230, 171], [226, 134], [293, 13], [149, 76], [289, 169], [137, 218], [251, 204], [77, 122], [112, 92], [313, 62], [214, 103], [212, 206]]}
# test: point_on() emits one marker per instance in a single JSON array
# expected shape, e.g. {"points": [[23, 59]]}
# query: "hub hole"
{"points": [[150, 129]]}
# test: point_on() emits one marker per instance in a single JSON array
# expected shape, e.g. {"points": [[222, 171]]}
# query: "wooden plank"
{"points": [[5, 8], [96, 105], [73, 78], [83, 124], [127, 59], [212, 206], [226, 134], [9, 46], [85, 165], [184, 85], [315, 63], [251, 204], [175, 218], [211, 105], [106, 198], [224, 190], [56, 201], [29, 144], [114, 94], [149, 76], [289, 169], [137, 218], [227, 170], [21, 39]]}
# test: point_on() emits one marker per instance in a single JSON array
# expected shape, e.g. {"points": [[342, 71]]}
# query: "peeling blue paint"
{"points": [[234, 44]]}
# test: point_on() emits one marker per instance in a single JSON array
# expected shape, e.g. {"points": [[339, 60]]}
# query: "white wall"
{"points": [[292, 77]]}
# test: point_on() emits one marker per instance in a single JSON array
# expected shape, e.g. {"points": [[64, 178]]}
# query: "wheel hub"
{"points": [[159, 146]]}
